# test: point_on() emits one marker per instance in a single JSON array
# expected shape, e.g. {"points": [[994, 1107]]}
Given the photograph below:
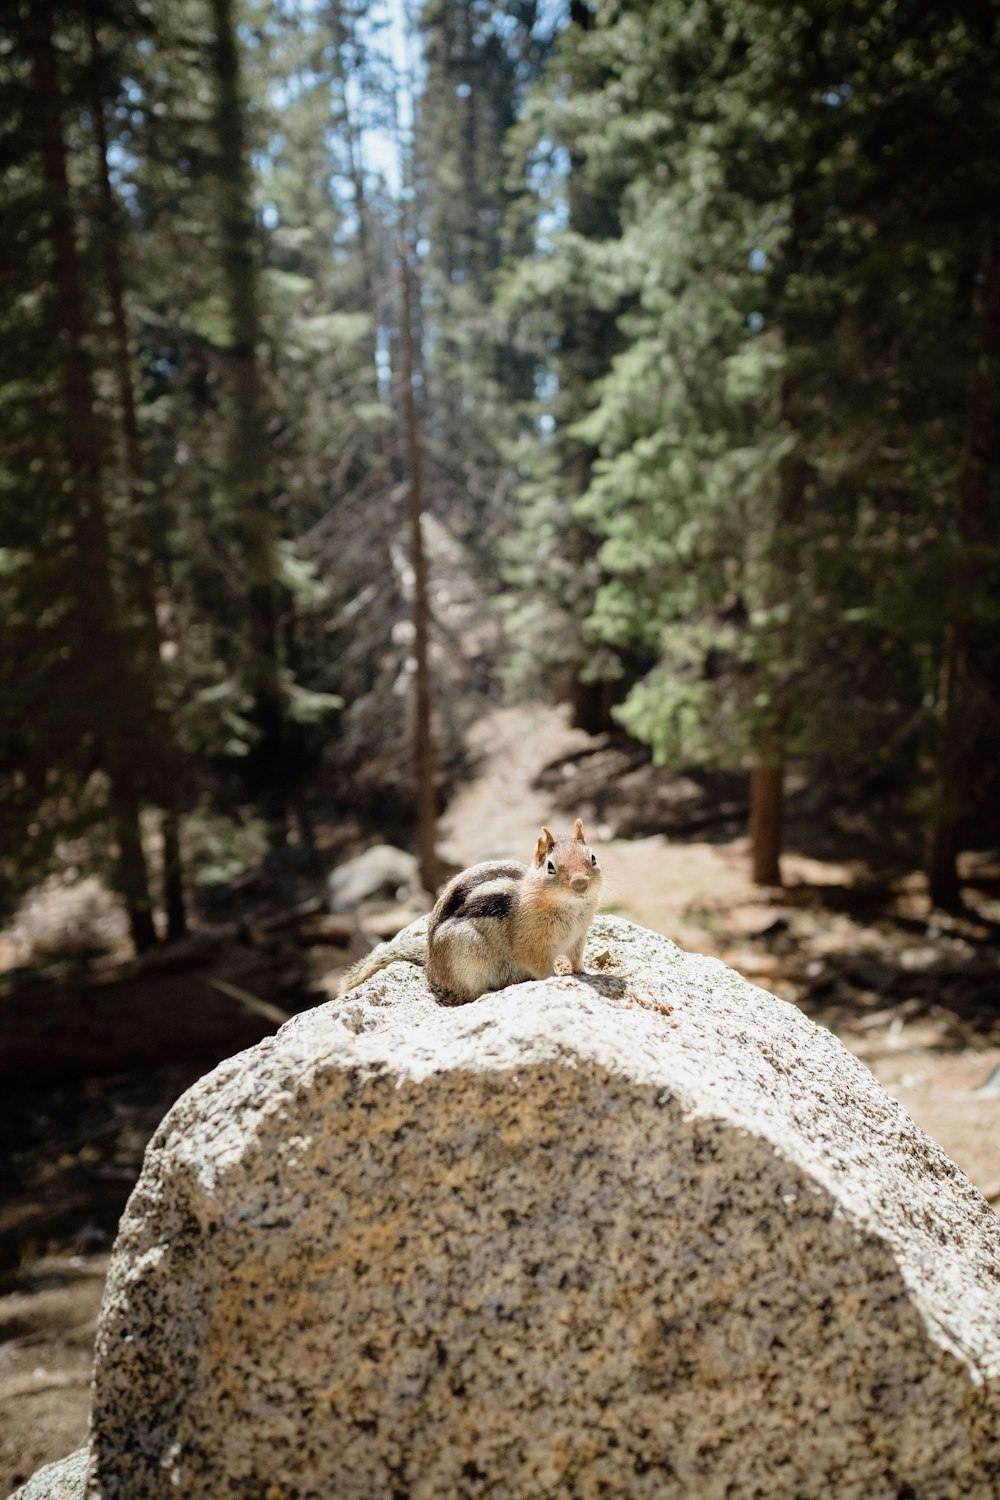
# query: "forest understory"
{"points": [[909, 990]]}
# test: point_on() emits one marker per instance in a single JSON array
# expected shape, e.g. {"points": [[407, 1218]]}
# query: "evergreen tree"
{"points": [[564, 302], [774, 260], [98, 721], [705, 340], [191, 465], [141, 584], [900, 116]]}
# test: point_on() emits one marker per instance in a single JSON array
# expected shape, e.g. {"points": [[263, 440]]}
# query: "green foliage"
{"points": [[779, 213], [221, 848], [255, 500]]}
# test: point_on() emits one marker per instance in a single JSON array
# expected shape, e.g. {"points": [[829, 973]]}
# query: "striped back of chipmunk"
{"points": [[486, 890]]}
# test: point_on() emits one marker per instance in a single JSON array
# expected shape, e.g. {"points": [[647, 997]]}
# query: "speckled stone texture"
{"points": [[64, 1480], [646, 1232]]}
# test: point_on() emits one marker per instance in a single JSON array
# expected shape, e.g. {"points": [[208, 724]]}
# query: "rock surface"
{"points": [[382, 871], [65, 1480], [645, 1232]]}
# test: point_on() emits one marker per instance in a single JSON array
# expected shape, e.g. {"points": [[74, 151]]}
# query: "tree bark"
{"points": [[133, 872], [591, 704], [173, 875], [766, 804], [101, 658]]}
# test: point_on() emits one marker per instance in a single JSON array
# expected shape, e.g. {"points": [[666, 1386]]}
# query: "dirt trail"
{"points": [[498, 815]]}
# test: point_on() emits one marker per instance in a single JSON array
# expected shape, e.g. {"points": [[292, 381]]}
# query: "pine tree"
{"points": [[762, 536], [564, 307], [142, 585], [156, 310], [423, 737], [103, 697], [901, 127]]}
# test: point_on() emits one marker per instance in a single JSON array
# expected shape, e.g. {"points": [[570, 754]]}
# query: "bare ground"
{"points": [[912, 992]]}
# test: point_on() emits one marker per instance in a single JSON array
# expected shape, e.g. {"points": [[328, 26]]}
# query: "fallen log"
{"points": [[170, 1006]]}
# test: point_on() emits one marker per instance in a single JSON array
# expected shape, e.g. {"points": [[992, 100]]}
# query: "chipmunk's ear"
{"points": [[578, 833], [545, 841]]}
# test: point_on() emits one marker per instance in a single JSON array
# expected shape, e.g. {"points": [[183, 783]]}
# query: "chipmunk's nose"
{"points": [[580, 882]]}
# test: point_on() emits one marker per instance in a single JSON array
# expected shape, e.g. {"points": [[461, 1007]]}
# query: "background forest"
{"points": [[359, 368]]}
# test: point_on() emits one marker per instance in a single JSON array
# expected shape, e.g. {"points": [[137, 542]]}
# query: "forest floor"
{"points": [[849, 937]]}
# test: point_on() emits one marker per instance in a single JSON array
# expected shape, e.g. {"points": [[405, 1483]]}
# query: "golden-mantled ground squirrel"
{"points": [[501, 922]]}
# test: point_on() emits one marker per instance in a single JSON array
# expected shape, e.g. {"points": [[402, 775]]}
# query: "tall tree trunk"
{"points": [[249, 450], [410, 345], [142, 551], [767, 781], [766, 808], [794, 475], [973, 523], [342, 26], [173, 874], [423, 746], [101, 656]]}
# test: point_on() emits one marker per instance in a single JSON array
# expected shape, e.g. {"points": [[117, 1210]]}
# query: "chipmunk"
{"points": [[502, 922]]}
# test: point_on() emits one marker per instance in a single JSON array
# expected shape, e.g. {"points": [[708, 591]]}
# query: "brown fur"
{"points": [[502, 922]]}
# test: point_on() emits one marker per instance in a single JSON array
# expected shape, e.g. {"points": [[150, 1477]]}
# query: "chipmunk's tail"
{"points": [[404, 949]]}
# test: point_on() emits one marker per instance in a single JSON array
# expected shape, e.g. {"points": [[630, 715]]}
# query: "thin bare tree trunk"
{"points": [[423, 746], [343, 33], [980, 461], [767, 782], [249, 450], [143, 551], [101, 655]]}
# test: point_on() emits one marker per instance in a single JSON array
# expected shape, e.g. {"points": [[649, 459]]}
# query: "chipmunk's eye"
{"points": [[593, 860], [551, 867]]}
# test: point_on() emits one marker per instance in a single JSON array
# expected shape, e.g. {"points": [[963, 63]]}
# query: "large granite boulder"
{"points": [[64, 1480], [646, 1232]]}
